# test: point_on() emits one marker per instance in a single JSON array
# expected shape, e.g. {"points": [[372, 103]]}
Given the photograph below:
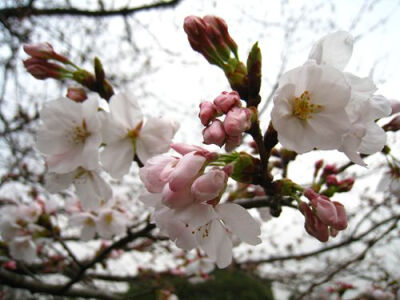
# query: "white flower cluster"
{"points": [[19, 228], [71, 137], [319, 106]]}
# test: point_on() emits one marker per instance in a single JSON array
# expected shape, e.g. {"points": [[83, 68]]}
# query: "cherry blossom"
{"points": [[126, 134], [310, 108], [364, 108], [90, 186], [70, 135]]}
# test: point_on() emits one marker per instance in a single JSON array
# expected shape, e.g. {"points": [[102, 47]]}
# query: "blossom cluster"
{"points": [[229, 131], [319, 106], [186, 200]]}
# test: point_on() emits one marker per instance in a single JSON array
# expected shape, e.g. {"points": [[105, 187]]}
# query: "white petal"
{"points": [[55, 183], [155, 138], [240, 222], [334, 49], [374, 139], [117, 157], [196, 214], [125, 110], [23, 248], [92, 190]]}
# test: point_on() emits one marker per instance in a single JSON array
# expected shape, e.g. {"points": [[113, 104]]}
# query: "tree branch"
{"points": [[29, 11]]}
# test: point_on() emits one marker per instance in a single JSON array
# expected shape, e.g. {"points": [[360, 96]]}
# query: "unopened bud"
{"points": [[237, 121], [232, 142], [254, 74], [330, 169], [76, 94], [41, 69], [225, 101], [393, 125], [44, 51], [346, 185], [214, 134], [331, 180], [208, 112]]}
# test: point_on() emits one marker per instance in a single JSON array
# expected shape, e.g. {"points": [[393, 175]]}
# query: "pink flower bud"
{"points": [[76, 94], [318, 164], [10, 265], [313, 225], [330, 169], [237, 121], [44, 51], [232, 142], [331, 180], [225, 101], [186, 170], [311, 194], [220, 26], [214, 134], [346, 184], [341, 222], [184, 149], [209, 185], [41, 69], [208, 112], [155, 172], [176, 199], [325, 210]]}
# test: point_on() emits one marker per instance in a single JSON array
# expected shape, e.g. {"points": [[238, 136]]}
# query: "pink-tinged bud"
{"points": [[176, 199], [210, 37], [156, 171], [325, 210], [208, 112], [41, 69], [346, 185], [311, 194], [76, 94], [221, 28], [331, 180], [186, 170], [393, 125], [341, 222], [209, 185], [232, 142], [44, 51], [214, 134], [237, 121], [225, 101], [313, 225], [318, 164], [330, 169], [184, 149]]}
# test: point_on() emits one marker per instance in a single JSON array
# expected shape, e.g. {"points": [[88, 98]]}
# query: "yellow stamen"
{"points": [[303, 108]]}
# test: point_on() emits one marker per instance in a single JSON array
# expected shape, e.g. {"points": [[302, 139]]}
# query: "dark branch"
{"points": [[28, 11]]}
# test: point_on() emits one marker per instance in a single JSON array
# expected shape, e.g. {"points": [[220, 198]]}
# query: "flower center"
{"points": [[134, 133], [303, 108], [81, 133]]}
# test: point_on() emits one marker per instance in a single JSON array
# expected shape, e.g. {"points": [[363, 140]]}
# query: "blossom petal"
{"points": [[334, 49], [125, 110], [240, 222], [117, 157]]}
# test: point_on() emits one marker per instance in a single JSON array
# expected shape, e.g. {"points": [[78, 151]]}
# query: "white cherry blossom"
{"points": [[126, 134], [90, 186], [70, 134], [309, 108], [364, 135]]}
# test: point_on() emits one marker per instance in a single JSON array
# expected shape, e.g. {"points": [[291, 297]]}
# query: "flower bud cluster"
{"points": [[325, 217], [210, 37], [38, 64], [186, 198], [229, 131]]}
